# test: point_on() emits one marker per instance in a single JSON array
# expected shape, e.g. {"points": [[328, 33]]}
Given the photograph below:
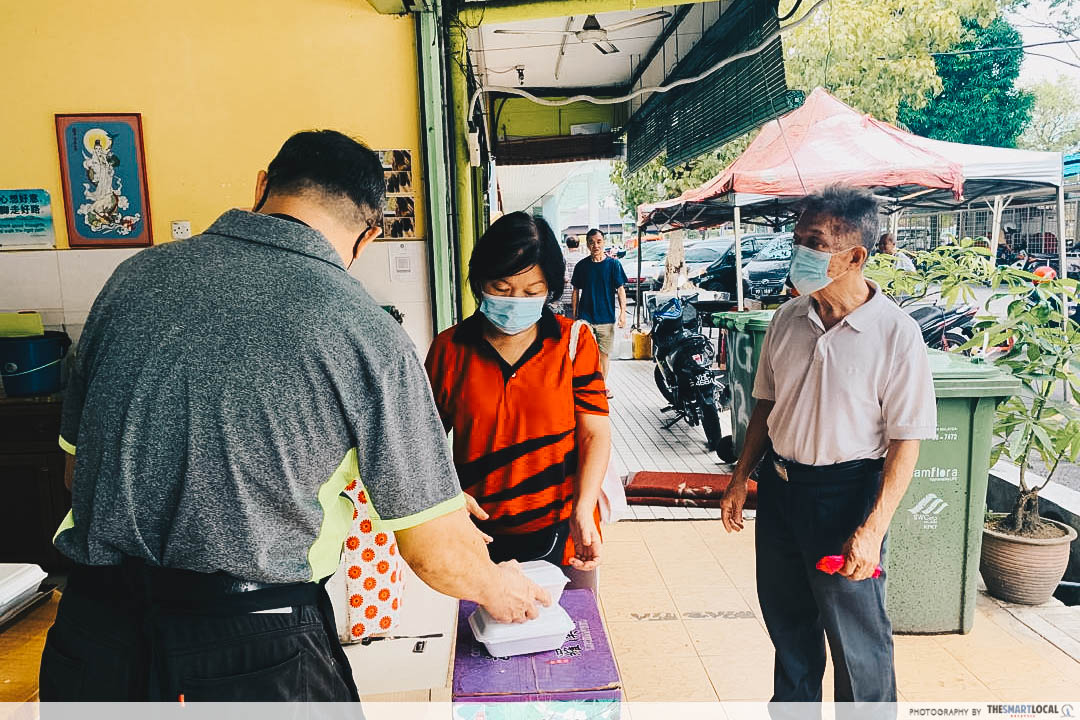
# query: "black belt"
{"points": [[135, 583], [791, 471]]}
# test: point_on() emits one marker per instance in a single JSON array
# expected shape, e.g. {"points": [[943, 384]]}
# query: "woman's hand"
{"points": [[477, 512], [587, 543]]}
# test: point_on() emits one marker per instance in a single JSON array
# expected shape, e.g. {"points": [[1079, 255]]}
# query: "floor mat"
{"points": [[675, 489]]}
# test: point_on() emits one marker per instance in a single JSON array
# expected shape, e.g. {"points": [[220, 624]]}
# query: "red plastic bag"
{"points": [[832, 563]]}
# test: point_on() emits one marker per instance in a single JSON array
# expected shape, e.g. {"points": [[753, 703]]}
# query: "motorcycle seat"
{"points": [[927, 315]]}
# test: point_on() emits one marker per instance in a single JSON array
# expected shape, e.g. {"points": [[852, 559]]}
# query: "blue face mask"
{"points": [[512, 315], [809, 269]]}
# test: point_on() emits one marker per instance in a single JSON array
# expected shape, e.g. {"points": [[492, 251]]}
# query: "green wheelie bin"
{"points": [[936, 534], [744, 333]]}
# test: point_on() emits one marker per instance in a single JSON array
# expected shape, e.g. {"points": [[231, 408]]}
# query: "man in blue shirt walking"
{"points": [[597, 282]]}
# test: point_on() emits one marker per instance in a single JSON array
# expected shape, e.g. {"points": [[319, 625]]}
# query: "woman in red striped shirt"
{"points": [[521, 389]]}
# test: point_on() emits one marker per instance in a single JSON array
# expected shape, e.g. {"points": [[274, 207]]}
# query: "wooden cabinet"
{"points": [[33, 499]]}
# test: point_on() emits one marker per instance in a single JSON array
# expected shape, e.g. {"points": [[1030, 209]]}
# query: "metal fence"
{"points": [[1033, 228]]}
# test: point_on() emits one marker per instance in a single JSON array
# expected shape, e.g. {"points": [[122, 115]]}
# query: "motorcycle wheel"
{"points": [[710, 420], [662, 385], [954, 339]]}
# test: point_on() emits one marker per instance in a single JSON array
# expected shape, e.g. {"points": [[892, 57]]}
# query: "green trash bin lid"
{"points": [[750, 320], [957, 376]]}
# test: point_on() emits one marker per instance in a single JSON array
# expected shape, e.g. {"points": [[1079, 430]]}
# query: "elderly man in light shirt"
{"points": [[844, 396], [887, 246]]}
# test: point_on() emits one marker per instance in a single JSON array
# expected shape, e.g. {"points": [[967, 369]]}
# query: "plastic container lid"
{"points": [[547, 576], [21, 325], [546, 632], [18, 579]]}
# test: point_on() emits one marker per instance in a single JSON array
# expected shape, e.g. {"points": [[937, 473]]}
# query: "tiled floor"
{"points": [[640, 441], [680, 606]]}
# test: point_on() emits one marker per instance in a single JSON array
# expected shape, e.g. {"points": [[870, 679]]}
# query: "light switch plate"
{"points": [[181, 229]]}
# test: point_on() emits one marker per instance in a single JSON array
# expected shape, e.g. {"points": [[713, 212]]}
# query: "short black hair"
{"points": [[334, 164], [513, 244], [572, 242], [594, 231], [853, 209]]}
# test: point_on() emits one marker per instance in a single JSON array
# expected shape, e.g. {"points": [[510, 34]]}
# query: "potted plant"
{"points": [[1026, 333], [1024, 555]]}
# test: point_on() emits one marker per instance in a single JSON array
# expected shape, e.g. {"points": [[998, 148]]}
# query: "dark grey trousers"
{"points": [[799, 521]]}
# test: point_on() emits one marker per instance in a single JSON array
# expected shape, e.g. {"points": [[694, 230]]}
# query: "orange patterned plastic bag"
{"points": [[371, 576]]}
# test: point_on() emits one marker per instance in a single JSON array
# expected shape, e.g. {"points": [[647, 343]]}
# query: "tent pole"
{"points": [[637, 302], [738, 261], [995, 228], [894, 226], [1062, 253]]}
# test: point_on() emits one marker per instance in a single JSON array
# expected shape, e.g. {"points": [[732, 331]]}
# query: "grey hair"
{"points": [[855, 209]]}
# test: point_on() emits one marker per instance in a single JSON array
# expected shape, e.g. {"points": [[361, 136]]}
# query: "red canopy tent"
{"points": [[822, 142], [826, 141]]}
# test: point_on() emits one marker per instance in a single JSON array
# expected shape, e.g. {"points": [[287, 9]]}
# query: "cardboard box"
{"points": [[578, 680]]}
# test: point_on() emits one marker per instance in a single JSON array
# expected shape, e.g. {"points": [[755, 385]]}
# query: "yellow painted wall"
{"points": [[220, 85]]}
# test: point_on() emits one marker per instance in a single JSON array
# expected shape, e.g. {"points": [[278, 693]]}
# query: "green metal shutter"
{"points": [[698, 117]]}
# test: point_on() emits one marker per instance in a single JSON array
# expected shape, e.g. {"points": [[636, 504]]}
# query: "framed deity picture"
{"points": [[103, 171]]}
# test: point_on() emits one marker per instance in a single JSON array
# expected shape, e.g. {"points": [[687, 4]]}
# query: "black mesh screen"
{"points": [[698, 117]]}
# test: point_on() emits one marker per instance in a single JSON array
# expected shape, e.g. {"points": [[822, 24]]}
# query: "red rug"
{"points": [[675, 489]]}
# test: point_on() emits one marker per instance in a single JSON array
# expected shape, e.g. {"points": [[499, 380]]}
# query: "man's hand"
{"points": [[587, 543], [862, 555], [622, 321], [515, 597], [731, 505]]}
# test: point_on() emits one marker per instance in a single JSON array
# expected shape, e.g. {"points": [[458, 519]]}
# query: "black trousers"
{"points": [[136, 633], [800, 520]]}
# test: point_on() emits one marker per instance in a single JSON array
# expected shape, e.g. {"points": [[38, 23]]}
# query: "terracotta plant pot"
{"points": [[1024, 570]]}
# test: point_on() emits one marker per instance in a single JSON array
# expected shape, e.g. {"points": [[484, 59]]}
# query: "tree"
{"points": [[655, 181], [979, 102], [1055, 118], [876, 55]]}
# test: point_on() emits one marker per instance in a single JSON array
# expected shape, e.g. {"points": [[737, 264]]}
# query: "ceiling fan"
{"points": [[592, 32]]}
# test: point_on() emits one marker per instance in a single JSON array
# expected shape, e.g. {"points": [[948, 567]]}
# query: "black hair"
{"points": [[513, 244], [572, 242], [333, 163], [594, 231], [853, 209]]}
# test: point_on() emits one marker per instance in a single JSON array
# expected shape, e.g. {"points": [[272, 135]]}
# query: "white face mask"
{"points": [[810, 269], [512, 315]]}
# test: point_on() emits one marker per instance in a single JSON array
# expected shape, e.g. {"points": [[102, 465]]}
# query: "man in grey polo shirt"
{"points": [[226, 390], [844, 396]]}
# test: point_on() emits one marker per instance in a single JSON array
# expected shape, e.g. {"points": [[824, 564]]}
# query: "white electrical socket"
{"points": [[181, 229]]}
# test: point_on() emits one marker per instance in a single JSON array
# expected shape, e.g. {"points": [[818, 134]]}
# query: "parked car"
{"points": [[765, 275], [698, 256], [720, 275], [652, 256]]}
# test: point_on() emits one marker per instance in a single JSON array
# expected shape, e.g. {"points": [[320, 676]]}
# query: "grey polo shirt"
{"points": [[225, 390]]}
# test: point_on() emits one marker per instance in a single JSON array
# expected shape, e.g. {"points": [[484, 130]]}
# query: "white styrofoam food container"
{"points": [[546, 632], [547, 576], [18, 581]]}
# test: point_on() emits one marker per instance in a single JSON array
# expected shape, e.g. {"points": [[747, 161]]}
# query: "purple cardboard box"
{"points": [[582, 670]]}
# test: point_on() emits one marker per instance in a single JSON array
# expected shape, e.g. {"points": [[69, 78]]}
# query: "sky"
{"points": [[1039, 68]]}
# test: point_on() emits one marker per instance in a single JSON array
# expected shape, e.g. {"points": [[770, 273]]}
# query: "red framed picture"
{"points": [[103, 172]]}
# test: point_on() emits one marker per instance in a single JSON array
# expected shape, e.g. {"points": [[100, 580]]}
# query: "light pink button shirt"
{"points": [[845, 393]]}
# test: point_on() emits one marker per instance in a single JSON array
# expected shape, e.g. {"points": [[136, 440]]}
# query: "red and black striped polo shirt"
{"points": [[514, 425]]}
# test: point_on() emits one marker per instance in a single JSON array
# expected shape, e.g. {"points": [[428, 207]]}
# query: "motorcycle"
{"points": [[683, 370], [945, 328]]}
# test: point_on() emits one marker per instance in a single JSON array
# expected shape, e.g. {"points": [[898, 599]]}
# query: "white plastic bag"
{"points": [[612, 495]]}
